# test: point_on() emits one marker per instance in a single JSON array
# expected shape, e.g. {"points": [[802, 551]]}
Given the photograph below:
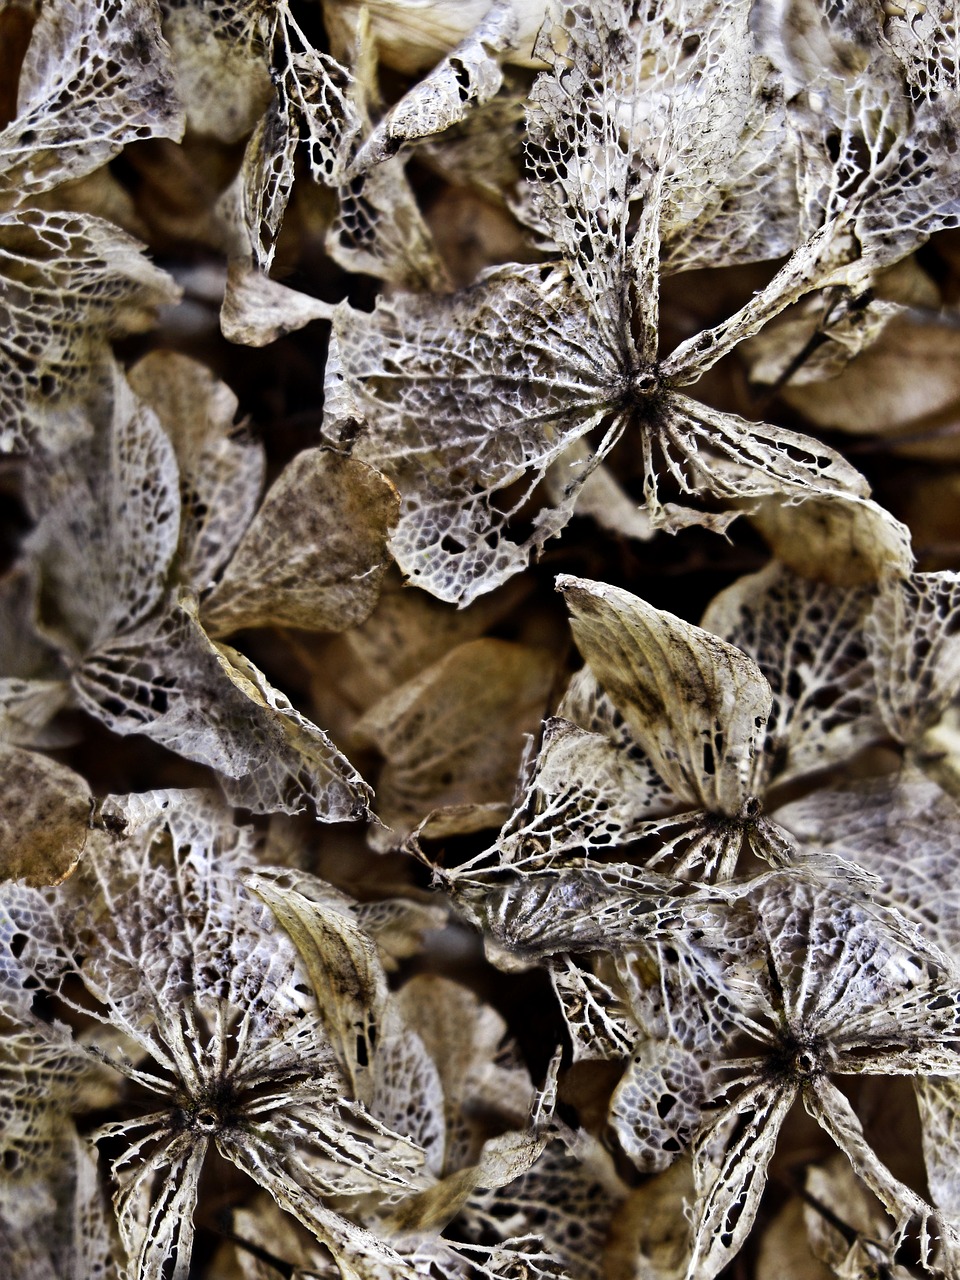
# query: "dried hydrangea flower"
{"points": [[92, 80], [816, 984], [318, 111], [675, 756], [424, 1060], [873, 135], [467, 401], [135, 643], [219, 1030], [904, 830]]}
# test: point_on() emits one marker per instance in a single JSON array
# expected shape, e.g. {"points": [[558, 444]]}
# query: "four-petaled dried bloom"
{"points": [[213, 1034]]}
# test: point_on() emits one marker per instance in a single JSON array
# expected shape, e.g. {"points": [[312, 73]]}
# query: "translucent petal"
{"points": [[915, 652], [169, 681], [221, 466], [467, 78], [807, 639], [93, 79], [656, 1107], [108, 512], [730, 1159]]}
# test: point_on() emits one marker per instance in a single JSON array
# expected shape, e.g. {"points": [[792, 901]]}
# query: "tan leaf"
{"points": [[44, 817], [453, 735], [407, 632], [465, 1038], [909, 374], [784, 1248], [845, 541], [316, 552]]}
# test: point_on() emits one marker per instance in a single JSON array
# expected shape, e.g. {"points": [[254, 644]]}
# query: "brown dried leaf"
{"points": [[315, 553], [907, 376], [406, 633], [846, 541], [44, 817], [453, 735], [784, 1251]]}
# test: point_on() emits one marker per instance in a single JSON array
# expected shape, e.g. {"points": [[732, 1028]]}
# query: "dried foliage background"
{"points": [[479, 639]]}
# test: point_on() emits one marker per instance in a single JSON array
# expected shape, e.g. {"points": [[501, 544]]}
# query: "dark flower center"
{"points": [[799, 1058], [212, 1112], [644, 384]]}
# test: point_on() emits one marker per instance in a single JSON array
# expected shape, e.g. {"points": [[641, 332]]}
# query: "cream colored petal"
{"points": [[698, 706]]}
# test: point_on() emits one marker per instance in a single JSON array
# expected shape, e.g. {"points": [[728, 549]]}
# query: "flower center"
{"points": [[644, 383], [211, 1112], [799, 1058]]}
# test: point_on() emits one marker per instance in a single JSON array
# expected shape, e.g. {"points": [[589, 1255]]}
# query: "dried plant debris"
{"points": [[135, 648], [678, 750], [809, 1020], [93, 79], [245, 1037], [627, 944], [220, 1027], [529, 360]]}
